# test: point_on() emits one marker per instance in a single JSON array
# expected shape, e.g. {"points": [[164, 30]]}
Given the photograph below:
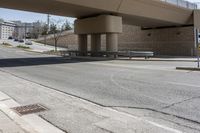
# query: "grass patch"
{"points": [[23, 47], [6, 44]]}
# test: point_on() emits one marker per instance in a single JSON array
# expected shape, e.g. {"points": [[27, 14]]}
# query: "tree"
{"points": [[1, 20], [37, 30], [67, 26], [56, 28], [44, 33]]}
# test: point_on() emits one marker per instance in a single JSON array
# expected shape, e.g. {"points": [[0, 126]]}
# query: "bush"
{"points": [[23, 47], [6, 44]]}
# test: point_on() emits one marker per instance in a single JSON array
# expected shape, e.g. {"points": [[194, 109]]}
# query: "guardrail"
{"points": [[130, 54], [182, 3]]}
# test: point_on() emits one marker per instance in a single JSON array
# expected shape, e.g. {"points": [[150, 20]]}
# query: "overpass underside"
{"points": [[96, 17]]}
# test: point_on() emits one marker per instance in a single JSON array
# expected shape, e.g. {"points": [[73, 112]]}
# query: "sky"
{"points": [[14, 15], [24, 16]]}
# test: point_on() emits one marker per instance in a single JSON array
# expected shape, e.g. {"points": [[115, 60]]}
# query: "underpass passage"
{"points": [[106, 17]]}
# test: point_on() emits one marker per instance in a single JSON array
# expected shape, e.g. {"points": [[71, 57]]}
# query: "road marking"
{"points": [[184, 84], [147, 67], [147, 121]]}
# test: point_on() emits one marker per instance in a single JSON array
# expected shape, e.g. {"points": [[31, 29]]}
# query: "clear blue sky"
{"points": [[8, 14]]}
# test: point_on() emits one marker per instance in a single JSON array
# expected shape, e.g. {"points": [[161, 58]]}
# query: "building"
{"points": [[7, 29], [22, 30]]}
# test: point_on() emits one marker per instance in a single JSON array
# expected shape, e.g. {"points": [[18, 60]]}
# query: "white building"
{"points": [[7, 29]]}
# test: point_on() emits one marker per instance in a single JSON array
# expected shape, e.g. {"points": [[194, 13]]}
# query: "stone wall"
{"points": [[170, 41]]}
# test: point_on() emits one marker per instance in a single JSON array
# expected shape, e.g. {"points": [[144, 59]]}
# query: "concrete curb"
{"points": [[31, 123], [188, 68], [151, 59]]}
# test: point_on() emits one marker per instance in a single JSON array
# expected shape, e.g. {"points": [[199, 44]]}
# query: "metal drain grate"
{"points": [[29, 109]]}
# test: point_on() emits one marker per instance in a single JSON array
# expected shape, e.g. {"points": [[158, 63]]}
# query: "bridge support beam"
{"points": [[95, 43], [112, 42], [95, 26], [82, 46]]}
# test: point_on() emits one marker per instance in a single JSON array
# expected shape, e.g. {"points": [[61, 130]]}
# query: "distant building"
{"points": [[7, 29], [22, 29]]}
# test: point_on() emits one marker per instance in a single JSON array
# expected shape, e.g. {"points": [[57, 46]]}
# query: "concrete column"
{"points": [[95, 43], [82, 44], [112, 42]]}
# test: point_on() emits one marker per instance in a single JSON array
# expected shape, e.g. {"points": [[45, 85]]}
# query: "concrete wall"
{"points": [[171, 41]]}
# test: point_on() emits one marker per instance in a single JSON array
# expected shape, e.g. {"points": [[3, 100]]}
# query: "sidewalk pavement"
{"points": [[9, 126], [11, 122]]}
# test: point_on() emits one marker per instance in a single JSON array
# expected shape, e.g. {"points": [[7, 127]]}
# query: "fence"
{"points": [[182, 3]]}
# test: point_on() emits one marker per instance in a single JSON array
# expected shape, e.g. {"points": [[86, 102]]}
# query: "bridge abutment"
{"points": [[96, 26]]}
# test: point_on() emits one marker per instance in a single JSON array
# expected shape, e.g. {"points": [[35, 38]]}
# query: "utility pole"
{"points": [[48, 22], [198, 46], [25, 28]]}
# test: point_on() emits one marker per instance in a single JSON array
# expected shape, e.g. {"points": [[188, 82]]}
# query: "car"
{"points": [[10, 38], [28, 43], [21, 41], [16, 40], [199, 38]]}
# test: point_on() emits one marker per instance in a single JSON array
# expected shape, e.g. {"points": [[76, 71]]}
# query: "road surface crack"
{"points": [[174, 104], [157, 111]]}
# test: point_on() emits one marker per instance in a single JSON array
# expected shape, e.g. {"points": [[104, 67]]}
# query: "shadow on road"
{"points": [[18, 62]]}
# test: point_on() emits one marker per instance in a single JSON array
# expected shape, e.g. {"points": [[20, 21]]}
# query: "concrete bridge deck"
{"points": [[145, 13]]}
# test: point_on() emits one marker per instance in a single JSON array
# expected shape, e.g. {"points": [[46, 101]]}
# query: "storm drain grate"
{"points": [[29, 109]]}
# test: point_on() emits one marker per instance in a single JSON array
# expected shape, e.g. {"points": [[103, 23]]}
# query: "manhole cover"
{"points": [[29, 109]]}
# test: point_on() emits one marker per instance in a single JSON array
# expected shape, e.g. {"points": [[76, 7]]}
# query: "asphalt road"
{"points": [[124, 85]]}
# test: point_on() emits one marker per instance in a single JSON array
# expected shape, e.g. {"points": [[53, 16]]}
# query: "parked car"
{"points": [[16, 40], [21, 41], [199, 38], [28, 43], [10, 37]]}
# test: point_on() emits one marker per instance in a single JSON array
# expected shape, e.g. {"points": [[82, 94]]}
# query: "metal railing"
{"points": [[182, 3]]}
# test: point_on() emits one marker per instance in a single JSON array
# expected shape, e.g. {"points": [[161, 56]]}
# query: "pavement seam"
{"points": [[158, 111], [12, 120], [5, 99], [189, 99]]}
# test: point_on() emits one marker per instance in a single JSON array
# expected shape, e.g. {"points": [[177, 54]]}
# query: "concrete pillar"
{"points": [[95, 43], [82, 42], [112, 42]]}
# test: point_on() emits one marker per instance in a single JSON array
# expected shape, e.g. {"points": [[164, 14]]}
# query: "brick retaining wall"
{"points": [[170, 41]]}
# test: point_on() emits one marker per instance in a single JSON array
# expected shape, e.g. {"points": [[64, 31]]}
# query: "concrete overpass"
{"points": [[96, 17]]}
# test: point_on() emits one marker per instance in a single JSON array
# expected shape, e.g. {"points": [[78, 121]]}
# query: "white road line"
{"points": [[184, 84], [147, 67], [147, 121]]}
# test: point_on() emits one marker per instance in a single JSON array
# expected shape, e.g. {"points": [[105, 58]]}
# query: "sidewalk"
{"points": [[8, 126], [11, 122]]}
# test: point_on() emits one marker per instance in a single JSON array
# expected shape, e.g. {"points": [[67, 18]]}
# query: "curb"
{"points": [[163, 60], [188, 68], [32, 123]]}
